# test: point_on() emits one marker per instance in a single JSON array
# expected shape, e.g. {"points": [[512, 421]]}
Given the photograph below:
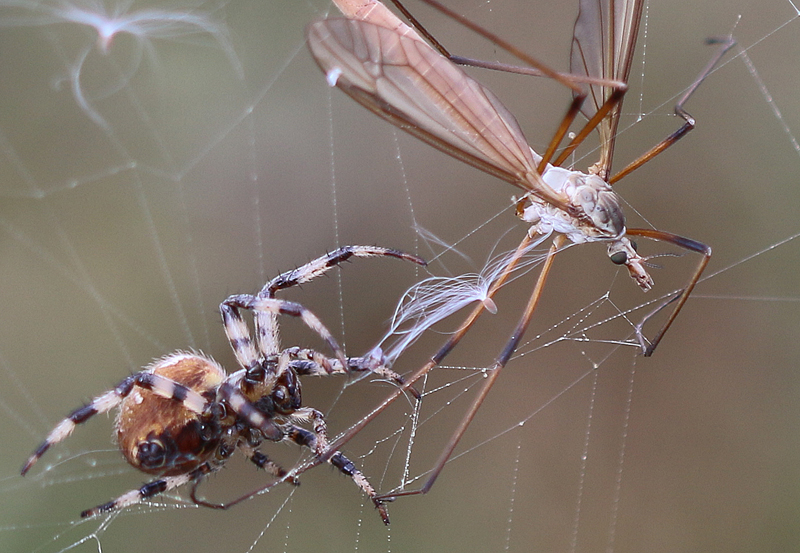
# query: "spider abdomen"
{"points": [[160, 435]]}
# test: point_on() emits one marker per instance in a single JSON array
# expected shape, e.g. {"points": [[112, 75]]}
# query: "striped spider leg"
{"points": [[183, 416], [389, 68]]}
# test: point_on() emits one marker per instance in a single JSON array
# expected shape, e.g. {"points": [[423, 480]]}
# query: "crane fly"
{"points": [[389, 68]]}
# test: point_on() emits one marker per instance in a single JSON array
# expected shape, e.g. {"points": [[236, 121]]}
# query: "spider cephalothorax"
{"points": [[183, 415]]}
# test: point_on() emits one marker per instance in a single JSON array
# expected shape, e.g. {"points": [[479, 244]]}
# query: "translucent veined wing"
{"points": [[602, 47], [404, 80], [376, 12]]}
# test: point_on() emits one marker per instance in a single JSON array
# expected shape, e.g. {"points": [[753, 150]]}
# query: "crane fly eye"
{"points": [[618, 258]]}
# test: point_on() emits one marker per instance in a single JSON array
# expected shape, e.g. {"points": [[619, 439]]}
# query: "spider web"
{"points": [[149, 174]]}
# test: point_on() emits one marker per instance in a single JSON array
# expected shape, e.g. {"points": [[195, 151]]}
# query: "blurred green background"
{"points": [[123, 227]]}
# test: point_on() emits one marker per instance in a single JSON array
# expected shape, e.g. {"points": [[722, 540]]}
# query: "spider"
{"points": [[183, 416]]}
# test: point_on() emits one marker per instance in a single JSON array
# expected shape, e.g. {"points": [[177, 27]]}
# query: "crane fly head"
{"points": [[601, 205], [623, 252]]}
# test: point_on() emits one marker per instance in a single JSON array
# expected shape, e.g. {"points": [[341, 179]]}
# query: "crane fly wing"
{"points": [[405, 81], [602, 47]]}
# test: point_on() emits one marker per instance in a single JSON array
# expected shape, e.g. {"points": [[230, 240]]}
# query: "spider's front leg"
{"points": [[266, 309], [259, 363], [308, 362], [323, 264], [267, 331]]}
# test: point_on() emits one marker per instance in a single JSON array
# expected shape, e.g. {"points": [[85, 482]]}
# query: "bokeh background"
{"points": [[141, 186]]}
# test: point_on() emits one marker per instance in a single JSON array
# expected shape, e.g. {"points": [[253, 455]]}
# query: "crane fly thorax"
{"points": [[590, 196], [596, 216], [595, 211]]}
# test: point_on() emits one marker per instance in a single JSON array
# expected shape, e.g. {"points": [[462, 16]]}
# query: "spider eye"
{"points": [[619, 258], [634, 245], [225, 451], [207, 431], [255, 374], [219, 411]]}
